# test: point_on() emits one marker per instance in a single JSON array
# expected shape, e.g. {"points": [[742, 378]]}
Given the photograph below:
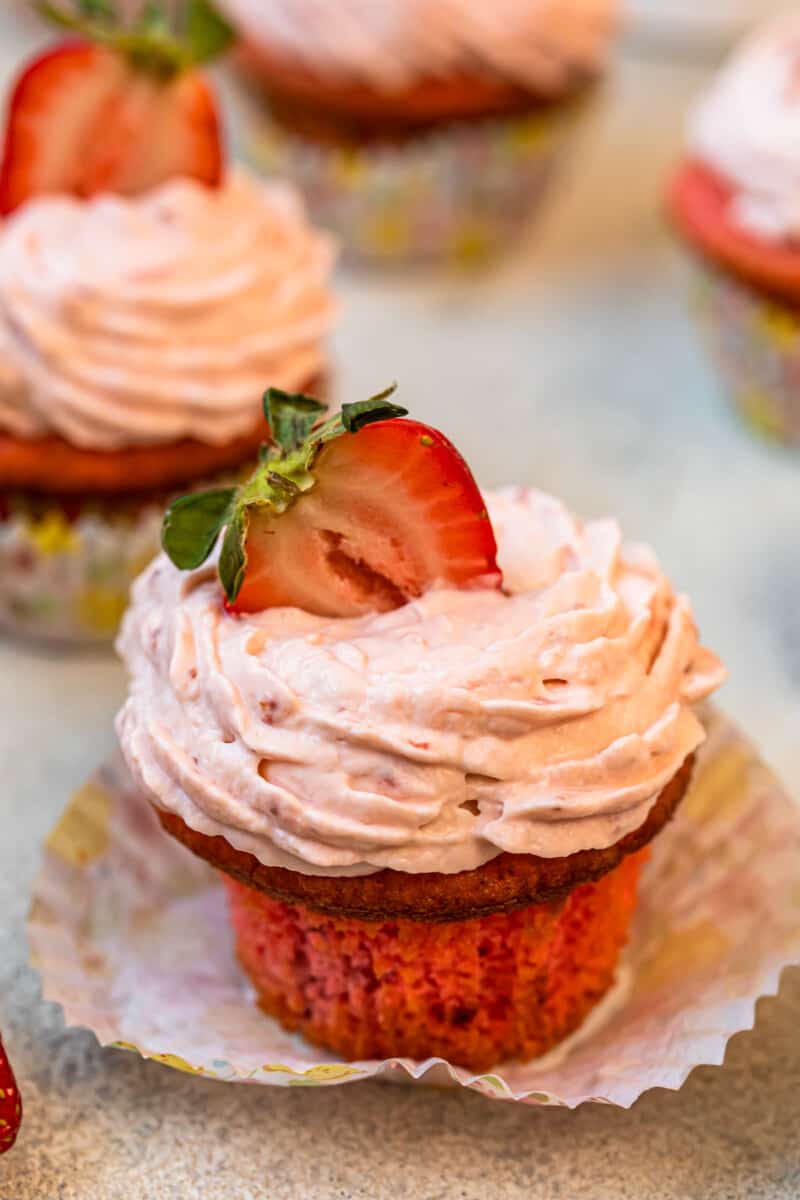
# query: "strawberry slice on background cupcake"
{"points": [[425, 734], [120, 109], [735, 201], [145, 291]]}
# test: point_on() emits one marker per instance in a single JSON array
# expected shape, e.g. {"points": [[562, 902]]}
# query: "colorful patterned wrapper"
{"points": [[67, 580], [755, 340], [456, 194], [130, 934]]}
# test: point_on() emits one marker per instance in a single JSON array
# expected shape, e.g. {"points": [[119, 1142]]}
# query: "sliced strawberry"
{"points": [[700, 205], [120, 110], [82, 120], [394, 510], [10, 1104], [358, 515]]}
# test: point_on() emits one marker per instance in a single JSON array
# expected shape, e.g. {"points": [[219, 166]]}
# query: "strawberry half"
{"points": [[356, 515], [119, 112], [10, 1104]]}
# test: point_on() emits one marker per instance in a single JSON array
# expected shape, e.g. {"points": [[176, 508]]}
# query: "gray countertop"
{"points": [[574, 367]]}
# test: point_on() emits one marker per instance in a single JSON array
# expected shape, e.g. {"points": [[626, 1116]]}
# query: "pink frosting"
{"points": [[544, 720], [543, 44], [128, 322], [747, 127]]}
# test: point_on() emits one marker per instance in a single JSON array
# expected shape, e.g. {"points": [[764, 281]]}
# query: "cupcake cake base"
{"points": [[479, 966], [476, 992], [505, 883]]}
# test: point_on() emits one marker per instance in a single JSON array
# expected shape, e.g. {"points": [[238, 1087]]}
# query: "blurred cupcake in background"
{"points": [[146, 293], [736, 202], [419, 128]]}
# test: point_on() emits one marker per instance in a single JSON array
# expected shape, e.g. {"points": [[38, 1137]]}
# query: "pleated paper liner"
{"points": [[754, 340], [131, 937], [455, 196], [66, 579]]}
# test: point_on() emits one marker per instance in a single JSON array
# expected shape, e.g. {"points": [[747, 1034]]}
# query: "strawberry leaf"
{"points": [[207, 34], [149, 35], [102, 10], [365, 412], [291, 417], [192, 525], [285, 472], [232, 557]]}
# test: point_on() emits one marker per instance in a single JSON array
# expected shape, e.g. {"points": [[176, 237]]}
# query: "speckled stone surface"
{"points": [[573, 366]]}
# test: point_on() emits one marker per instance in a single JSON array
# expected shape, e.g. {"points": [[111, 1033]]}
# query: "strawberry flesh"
{"points": [[394, 510], [83, 120], [10, 1104]]}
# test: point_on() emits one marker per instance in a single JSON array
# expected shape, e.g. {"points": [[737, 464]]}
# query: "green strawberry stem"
{"points": [[153, 40], [193, 523]]}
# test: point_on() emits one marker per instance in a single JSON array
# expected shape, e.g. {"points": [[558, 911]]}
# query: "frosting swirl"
{"points": [[747, 128], [545, 45], [542, 720], [128, 322]]}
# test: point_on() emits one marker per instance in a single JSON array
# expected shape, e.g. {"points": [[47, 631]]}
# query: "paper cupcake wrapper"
{"points": [[755, 341], [457, 194], [131, 937], [68, 580]]}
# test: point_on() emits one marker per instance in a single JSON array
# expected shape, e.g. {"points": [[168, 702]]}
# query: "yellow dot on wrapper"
{"points": [[761, 411], [178, 1064], [53, 535], [81, 835], [528, 135], [471, 244], [348, 167], [390, 233], [780, 326], [331, 1071], [101, 608], [314, 1074]]}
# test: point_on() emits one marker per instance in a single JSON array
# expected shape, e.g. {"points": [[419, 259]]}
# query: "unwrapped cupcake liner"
{"points": [[64, 577], [755, 341], [131, 936], [457, 193]]}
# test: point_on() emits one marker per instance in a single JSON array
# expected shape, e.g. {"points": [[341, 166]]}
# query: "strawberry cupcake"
{"points": [[419, 128], [145, 293], [736, 203], [425, 735]]}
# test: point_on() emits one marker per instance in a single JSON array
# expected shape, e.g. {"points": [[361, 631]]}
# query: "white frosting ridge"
{"points": [[127, 322], [545, 720], [747, 128], [390, 44]]}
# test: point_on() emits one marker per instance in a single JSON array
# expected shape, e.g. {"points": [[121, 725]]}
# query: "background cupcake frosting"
{"points": [[142, 321], [747, 127], [541, 44]]}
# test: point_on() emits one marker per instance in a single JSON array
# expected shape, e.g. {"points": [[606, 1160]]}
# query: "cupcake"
{"points": [[145, 293], [419, 128], [425, 735], [736, 202]]}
